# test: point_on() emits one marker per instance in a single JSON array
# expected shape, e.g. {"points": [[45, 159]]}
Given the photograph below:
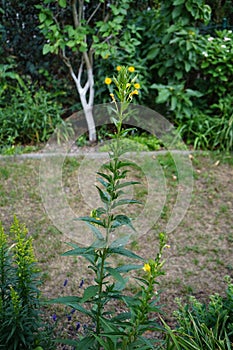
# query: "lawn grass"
{"points": [[201, 247]]}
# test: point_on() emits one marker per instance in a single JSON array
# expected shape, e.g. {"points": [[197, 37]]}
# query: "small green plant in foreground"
{"points": [[201, 326], [117, 320], [21, 326]]}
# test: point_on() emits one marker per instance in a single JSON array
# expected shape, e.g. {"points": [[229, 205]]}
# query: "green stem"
{"points": [[99, 302]]}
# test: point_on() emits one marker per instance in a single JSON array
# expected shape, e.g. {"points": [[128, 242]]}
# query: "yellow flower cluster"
{"points": [[147, 268], [130, 88]]}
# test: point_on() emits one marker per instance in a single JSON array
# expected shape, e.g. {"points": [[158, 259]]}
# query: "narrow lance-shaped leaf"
{"points": [[122, 241], [104, 196], [125, 201], [116, 275], [127, 183], [121, 220], [124, 252], [96, 232], [91, 220]]}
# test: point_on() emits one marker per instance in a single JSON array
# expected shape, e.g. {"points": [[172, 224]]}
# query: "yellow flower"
{"points": [[108, 81], [135, 92], [137, 86], [131, 69], [147, 268], [118, 68]]}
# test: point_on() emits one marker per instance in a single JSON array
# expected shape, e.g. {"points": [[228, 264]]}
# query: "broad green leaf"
{"points": [[46, 49], [153, 52], [163, 96], [62, 3], [176, 12], [89, 293], [42, 17]]}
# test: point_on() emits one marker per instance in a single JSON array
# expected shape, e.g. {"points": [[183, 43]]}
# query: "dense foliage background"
{"points": [[181, 50]]}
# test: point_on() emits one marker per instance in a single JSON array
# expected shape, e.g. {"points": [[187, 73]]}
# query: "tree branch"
{"points": [[93, 13], [75, 13]]}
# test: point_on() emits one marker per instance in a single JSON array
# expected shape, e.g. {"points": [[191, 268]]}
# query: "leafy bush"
{"points": [[201, 326], [194, 71], [29, 115], [20, 315], [215, 58]]}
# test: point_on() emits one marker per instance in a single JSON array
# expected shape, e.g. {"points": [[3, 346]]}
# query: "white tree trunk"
{"points": [[87, 105]]}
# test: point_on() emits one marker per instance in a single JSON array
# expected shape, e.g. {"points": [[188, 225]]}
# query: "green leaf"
{"points": [[124, 252], [87, 343], [72, 301], [120, 242], [46, 49], [153, 52], [173, 103], [121, 220], [88, 253], [178, 2], [104, 183], [89, 293], [104, 196], [91, 220], [99, 243], [96, 232], [128, 183], [117, 276], [187, 66], [42, 17], [163, 96], [125, 201], [62, 3], [107, 177], [130, 267], [122, 164]]}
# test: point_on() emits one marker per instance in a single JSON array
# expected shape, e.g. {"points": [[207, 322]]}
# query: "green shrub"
{"points": [[201, 326], [21, 326], [30, 115]]}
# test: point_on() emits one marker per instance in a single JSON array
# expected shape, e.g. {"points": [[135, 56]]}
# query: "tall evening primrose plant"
{"points": [[112, 327]]}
